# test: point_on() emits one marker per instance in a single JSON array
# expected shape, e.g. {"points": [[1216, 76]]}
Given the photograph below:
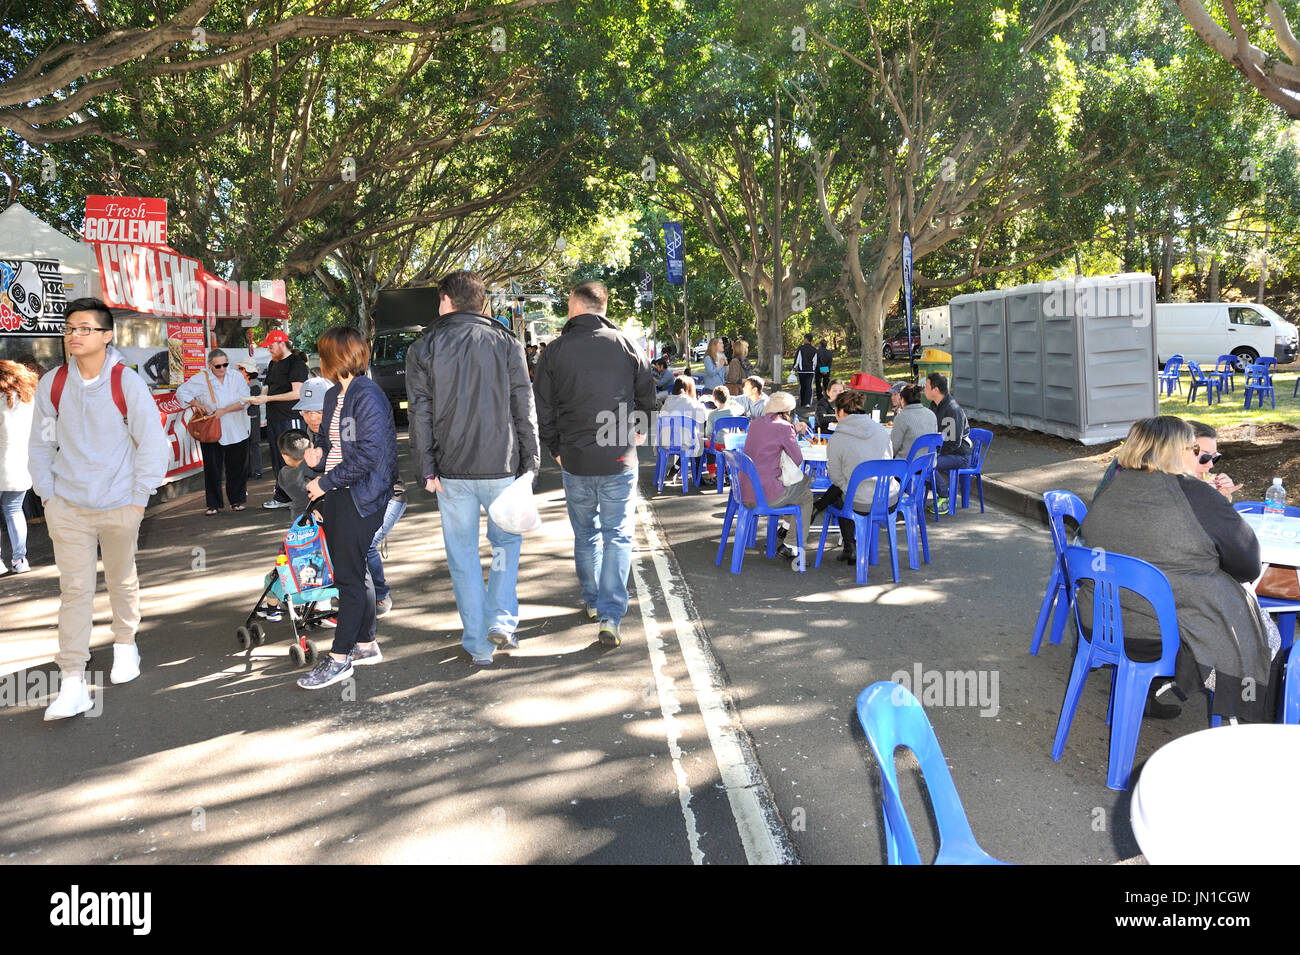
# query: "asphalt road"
{"points": [[722, 731]]}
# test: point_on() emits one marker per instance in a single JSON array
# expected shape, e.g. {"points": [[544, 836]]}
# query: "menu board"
{"points": [[186, 355]]}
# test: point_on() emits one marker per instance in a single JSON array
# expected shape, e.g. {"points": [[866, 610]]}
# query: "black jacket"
{"points": [[805, 359], [471, 403], [589, 383], [953, 426]]}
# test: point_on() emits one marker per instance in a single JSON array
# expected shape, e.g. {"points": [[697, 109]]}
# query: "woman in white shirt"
{"points": [[17, 402], [215, 389]]}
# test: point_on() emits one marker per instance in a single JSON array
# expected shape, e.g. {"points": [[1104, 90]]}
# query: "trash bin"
{"points": [[934, 359]]}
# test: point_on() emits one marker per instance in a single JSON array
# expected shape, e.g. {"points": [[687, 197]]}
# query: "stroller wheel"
{"points": [[296, 652], [258, 634], [311, 652], [244, 637]]}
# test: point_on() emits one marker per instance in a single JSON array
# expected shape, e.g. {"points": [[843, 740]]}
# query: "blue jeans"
{"points": [[944, 465], [601, 508], [393, 512], [11, 503], [496, 606]]}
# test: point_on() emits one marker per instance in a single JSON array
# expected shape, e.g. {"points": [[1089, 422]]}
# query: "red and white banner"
{"points": [[133, 220], [186, 456], [186, 351], [151, 279]]}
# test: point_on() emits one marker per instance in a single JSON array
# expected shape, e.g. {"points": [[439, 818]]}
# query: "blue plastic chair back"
{"points": [[918, 466], [741, 466], [730, 423], [1228, 363], [925, 442], [678, 434], [1258, 374], [1060, 505], [866, 471], [980, 439], [1109, 574], [1194, 372], [892, 717]]}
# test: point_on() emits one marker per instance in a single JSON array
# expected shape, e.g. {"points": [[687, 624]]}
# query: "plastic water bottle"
{"points": [[1275, 499]]}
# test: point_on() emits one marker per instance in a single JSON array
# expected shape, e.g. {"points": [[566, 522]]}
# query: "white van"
{"points": [[1202, 331]]}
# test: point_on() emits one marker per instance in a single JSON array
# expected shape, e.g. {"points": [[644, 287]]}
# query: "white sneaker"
{"points": [[73, 698], [126, 663]]}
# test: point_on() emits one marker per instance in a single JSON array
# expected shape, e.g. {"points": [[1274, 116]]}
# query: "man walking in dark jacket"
{"points": [[805, 366], [587, 384], [956, 448], [473, 430]]}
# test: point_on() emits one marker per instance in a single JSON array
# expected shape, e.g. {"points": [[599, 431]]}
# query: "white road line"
{"points": [[669, 706], [752, 804]]}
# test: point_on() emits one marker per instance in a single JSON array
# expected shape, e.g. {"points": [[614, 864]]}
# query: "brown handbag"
{"points": [[1280, 581], [204, 428]]}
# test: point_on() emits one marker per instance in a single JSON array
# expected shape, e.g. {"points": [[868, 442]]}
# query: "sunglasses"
{"points": [[1207, 458], [222, 365]]}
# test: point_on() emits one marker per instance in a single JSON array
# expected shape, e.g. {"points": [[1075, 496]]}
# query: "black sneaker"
{"points": [[327, 672]]}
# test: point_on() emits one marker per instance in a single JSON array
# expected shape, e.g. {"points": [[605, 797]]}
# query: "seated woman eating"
{"points": [[857, 438], [768, 437], [1156, 509]]}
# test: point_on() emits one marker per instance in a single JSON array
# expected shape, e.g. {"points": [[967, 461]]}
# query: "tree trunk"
{"points": [[1263, 266], [1167, 266], [1130, 229], [1213, 280]]}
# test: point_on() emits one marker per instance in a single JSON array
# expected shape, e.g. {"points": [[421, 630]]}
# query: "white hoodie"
{"points": [[85, 455]]}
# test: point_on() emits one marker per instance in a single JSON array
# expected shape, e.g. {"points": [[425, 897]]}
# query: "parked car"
{"points": [[1202, 331], [388, 363], [700, 349], [898, 346]]}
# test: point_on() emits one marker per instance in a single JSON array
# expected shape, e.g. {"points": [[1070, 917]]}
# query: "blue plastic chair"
{"points": [[866, 526], [891, 717], [1198, 380], [1171, 376], [1060, 505], [911, 504], [1269, 363], [1259, 383], [1104, 646], [678, 435], [722, 427], [922, 444], [745, 517], [980, 439], [1226, 368], [1291, 690]]}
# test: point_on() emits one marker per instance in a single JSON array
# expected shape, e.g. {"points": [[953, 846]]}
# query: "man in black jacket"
{"points": [[473, 430], [956, 449], [805, 366], [595, 395]]}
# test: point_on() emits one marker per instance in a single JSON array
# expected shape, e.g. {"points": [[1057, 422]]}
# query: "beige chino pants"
{"points": [[75, 532]]}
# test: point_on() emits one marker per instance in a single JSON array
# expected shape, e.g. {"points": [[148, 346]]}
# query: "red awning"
{"points": [[261, 300]]}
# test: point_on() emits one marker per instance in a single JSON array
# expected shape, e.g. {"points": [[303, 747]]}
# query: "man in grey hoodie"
{"points": [[94, 467]]}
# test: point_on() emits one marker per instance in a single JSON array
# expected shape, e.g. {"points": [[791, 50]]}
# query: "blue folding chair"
{"points": [[980, 439], [866, 526], [911, 504], [1104, 646], [1060, 505], [892, 717], [1259, 383], [1291, 690], [928, 442], [678, 435], [1226, 368], [745, 517], [721, 428], [1198, 380], [1171, 376]]}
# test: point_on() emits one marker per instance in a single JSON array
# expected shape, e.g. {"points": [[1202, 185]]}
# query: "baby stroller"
{"points": [[303, 582]]}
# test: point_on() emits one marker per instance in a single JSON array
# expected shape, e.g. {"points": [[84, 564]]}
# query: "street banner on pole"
{"points": [[907, 286], [675, 247]]}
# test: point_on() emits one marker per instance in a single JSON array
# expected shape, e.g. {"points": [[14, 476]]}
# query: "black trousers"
{"points": [[231, 459], [834, 497], [348, 536], [273, 431], [823, 381], [805, 389], [255, 445]]}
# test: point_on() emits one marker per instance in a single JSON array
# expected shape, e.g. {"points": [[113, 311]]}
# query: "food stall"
{"points": [[168, 309]]}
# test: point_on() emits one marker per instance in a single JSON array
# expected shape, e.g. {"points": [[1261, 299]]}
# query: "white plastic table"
{"points": [[1221, 796], [1279, 538]]}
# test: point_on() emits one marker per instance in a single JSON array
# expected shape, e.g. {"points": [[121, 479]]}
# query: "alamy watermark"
{"points": [[950, 688], [41, 688], [1132, 300]]}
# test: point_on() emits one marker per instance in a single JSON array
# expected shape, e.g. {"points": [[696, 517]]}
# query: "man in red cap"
{"points": [[284, 377]]}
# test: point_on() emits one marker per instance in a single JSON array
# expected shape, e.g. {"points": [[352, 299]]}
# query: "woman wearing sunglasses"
{"points": [[1207, 456], [216, 391]]}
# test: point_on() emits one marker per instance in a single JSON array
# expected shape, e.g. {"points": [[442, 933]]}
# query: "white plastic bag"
{"points": [[793, 379], [513, 510]]}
